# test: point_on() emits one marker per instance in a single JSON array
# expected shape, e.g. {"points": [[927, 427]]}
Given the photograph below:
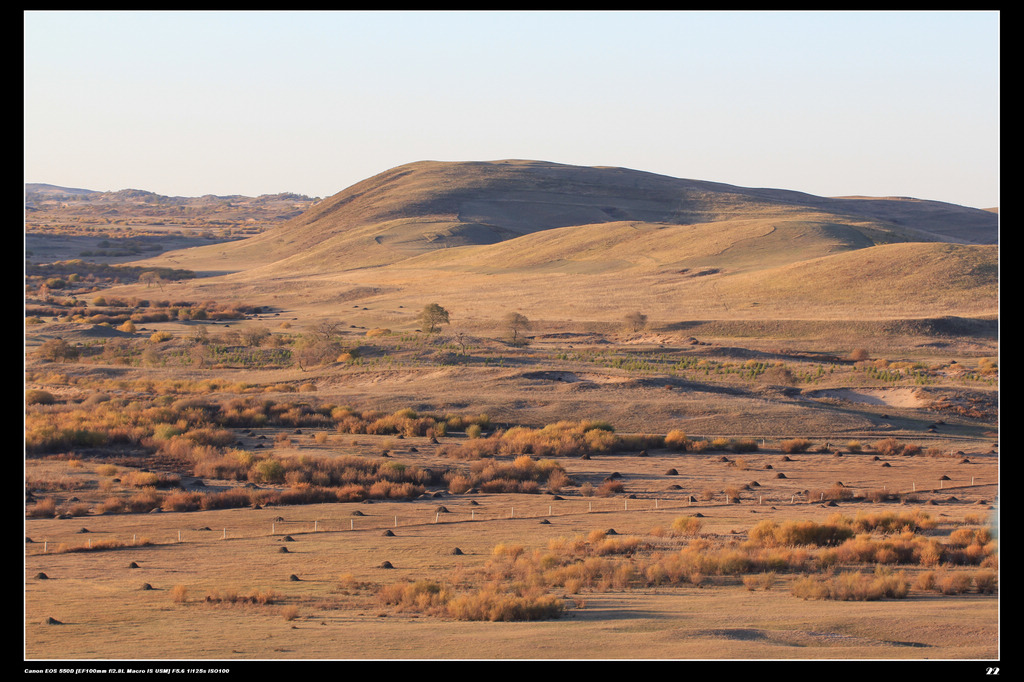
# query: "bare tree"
{"points": [[460, 338]]}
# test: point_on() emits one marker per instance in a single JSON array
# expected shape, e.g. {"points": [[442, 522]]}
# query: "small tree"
{"points": [[636, 321], [255, 336], [516, 322], [432, 317], [151, 277], [57, 350]]}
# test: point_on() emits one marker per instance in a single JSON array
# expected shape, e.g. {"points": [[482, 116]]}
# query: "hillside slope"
{"points": [[428, 206], [476, 232]]}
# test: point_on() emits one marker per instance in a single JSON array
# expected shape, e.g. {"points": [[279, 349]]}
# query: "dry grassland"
{"points": [[795, 458]]}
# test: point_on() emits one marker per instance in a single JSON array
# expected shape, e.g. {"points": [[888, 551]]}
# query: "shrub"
{"points": [[179, 594], [57, 350], [676, 440], [490, 604], [953, 582], [985, 581], [890, 447], [859, 355], [557, 480], [459, 484], [36, 396], [181, 502], [687, 525], [743, 445], [852, 586], [43, 509], [791, 533], [833, 493], [267, 471], [609, 488], [763, 581], [795, 445]]}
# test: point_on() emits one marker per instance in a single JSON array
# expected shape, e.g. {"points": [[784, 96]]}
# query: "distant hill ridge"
{"points": [[427, 206], [39, 191], [456, 230]]}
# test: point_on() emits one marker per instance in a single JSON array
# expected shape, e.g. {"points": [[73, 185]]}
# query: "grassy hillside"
{"points": [[555, 239]]}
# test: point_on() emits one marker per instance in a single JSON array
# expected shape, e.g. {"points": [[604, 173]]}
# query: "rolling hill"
{"points": [[589, 240]]}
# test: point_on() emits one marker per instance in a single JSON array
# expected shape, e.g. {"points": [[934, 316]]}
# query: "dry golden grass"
{"points": [[742, 385]]}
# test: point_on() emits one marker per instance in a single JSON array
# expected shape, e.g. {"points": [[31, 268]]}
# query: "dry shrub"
{"points": [[79, 509], [609, 488], [852, 586], [256, 597], [143, 502], [889, 522], [231, 498], [676, 440], [45, 508], [986, 582], [492, 604], [557, 480], [112, 505], [790, 533], [179, 594], [423, 596], [459, 484], [743, 445], [306, 495], [181, 502], [833, 493], [964, 537], [719, 444], [890, 447], [880, 496], [759, 581], [687, 525], [616, 545], [106, 470], [952, 582], [795, 445], [36, 396]]}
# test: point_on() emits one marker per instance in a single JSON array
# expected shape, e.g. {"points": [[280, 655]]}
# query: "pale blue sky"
{"points": [[830, 103]]}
